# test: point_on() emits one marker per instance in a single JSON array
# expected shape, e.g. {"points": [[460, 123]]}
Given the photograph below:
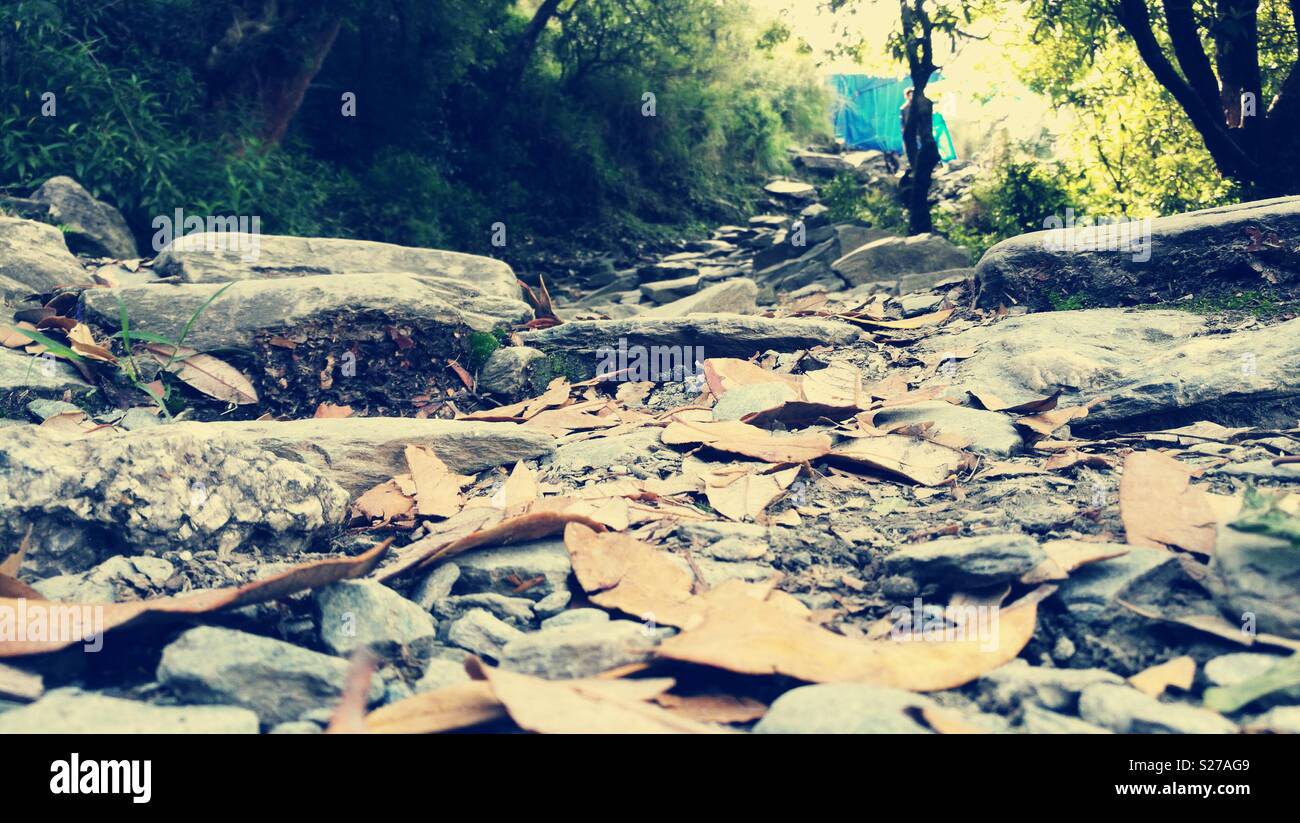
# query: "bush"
{"points": [[1018, 198]]}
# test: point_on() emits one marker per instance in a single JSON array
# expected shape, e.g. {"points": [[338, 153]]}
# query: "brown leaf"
{"points": [[11, 339], [1073, 457], [207, 374], [713, 708], [457, 706], [437, 488], [520, 488], [921, 321], [103, 617], [18, 685], [618, 572], [1178, 673], [589, 706], [383, 504], [1048, 422], [13, 564], [749, 494], [1064, 556], [750, 441], [743, 633], [329, 411], [350, 715], [992, 402], [1161, 508], [83, 343], [914, 459]]}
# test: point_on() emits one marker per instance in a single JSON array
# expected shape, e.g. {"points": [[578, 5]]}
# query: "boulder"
{"points": [[91, 227], [343, 306], [889, 258], [278, 680], [209, 257], [34, 259], [182, 490], [21, 373], [357, 614], [662, 344], [1155, 368], [967, 562], [512, 373], [359, 452], [1248, 245], [735, 296], [579, 649]]}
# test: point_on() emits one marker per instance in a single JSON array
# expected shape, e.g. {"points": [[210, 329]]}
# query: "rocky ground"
{"points": [[796, 477]]}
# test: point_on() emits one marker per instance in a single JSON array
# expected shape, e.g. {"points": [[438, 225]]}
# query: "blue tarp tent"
{"points": [[866, 114]]}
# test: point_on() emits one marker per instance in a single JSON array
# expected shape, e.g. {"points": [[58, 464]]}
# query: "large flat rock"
{"points": [[207, 257], [253, 308], [358, 452], [1156, 368], [1246, 245], [68, 711], [587, 344], [89, 498], [35, 259], [889, 258]]}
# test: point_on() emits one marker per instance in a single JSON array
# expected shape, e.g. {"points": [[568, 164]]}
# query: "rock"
{"points": [[70, 711], [1253, 574], [987, 432], [1260, 468], [573, 617], [925, 281], [115, 580], [491, 571], [277, 680], [217, 258], [844, 708], [517, 611], [1036, 720], [90, 226], [436, 585], [482, 633], [553, 603], [742, 400], [659, 345], [1018, 683], [439, 674], [602, 452], [1151, 365], [1128, 711], [346, 306], [45, 409], [735, 296], [356, 614], [851, 236], [811, 267], [34, 259], [1184, 253], [791, 190], [913, 305], [666, 291], [296, 727], [20, 373], [359, 452], [891, 257], [511, 372], [187, 491], [579, 650], [967, 562], [1092, 592], [1279, 720], [1231, 669]]}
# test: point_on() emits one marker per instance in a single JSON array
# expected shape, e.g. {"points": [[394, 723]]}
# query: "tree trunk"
{"points": [[918, 136]]}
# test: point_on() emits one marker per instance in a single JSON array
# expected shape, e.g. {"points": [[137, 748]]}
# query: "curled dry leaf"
{"points": [[749, 494], [383, 504], [81, 341], [437, 488], [109, 616], [914, 459], [215, 378], [618, 572], [751, 635], [458, 706], [747, 440]]}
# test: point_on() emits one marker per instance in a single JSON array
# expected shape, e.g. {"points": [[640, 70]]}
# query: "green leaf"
{"points": [[1284, 675]]}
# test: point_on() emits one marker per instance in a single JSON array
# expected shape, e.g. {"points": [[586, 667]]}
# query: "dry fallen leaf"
{"points": [[751, 635], [520, 488], [920, 461], [618, 572], [590, 706], [108, 616], [1161, 508], [215, 378], [749, 494], [1178, 673], [331, 411], [383, 504], [437, 488], [350, 714], [713, 708], [750, 441], [458, 706]]}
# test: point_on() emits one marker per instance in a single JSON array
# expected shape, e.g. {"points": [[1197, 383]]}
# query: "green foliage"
{"points": [[481, 347], [1017, 198], [447, 141], [1262, 513], [849, 200]]}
